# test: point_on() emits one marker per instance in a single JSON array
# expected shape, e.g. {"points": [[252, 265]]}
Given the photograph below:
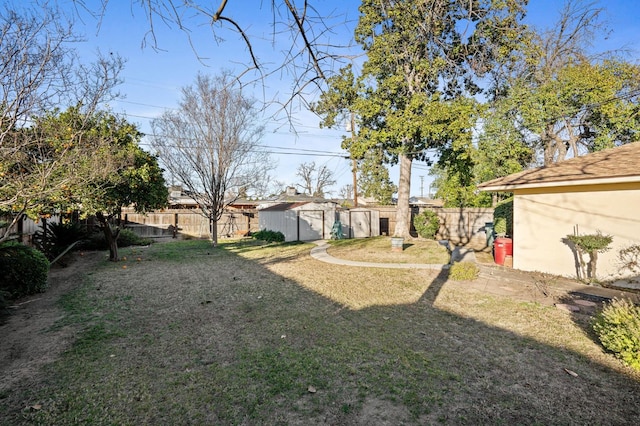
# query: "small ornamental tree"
{"points": [[590, 244], [140, 185]]}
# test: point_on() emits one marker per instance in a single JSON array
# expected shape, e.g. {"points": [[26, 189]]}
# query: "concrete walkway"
{"points": [[506, 280]]}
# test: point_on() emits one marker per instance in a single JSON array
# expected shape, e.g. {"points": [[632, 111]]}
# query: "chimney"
{"points": [[291, 191]]}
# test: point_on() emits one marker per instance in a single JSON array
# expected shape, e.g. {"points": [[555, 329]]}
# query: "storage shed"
{"points": [[310, 221], [359, 222], [584, 195], [299, 221]]}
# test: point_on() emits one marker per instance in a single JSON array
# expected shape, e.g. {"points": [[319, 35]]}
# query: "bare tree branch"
{"points": [[315, 180], [308, 56], [41, 75]]}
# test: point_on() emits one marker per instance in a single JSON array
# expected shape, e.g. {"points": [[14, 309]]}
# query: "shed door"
{"points": [[311, 224]]}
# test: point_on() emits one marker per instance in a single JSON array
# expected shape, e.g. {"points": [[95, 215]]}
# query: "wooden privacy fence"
{"points": [[464, 225], [190, 223], [459, 225], [25, 227]]}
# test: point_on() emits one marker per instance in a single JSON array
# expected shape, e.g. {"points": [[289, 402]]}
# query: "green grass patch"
{"points": [[180, 251], [378, 250], [464, 271]]}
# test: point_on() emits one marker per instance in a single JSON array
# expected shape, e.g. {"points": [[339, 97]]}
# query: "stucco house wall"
{"points": [[583, 195], [544, 217]]}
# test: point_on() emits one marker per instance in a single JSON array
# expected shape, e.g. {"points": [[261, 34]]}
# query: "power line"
{"points": [[285, 151]]}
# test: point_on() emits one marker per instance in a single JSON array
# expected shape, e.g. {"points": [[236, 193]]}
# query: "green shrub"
{"points": [[58, 237], [23, 270], [618, 328], [269, 236], [427, 224], [129, 238], [95, 241], [591, 242], [630, 258], [464, 271], [503, 217], [126, 238]]}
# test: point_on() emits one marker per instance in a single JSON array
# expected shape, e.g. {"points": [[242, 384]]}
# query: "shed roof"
{"points": [[615, 165], [283, 206]]}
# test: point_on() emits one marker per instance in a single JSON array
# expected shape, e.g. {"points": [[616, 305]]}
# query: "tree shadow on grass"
{"points": [[266, 348]]}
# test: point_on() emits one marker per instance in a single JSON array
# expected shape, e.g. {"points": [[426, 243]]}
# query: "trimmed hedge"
{"points": [[23, 270]]}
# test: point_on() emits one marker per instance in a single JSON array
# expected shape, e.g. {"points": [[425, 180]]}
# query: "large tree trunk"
{"points": [[591, 268], [110, 236], [403, 212], [213, 224]]}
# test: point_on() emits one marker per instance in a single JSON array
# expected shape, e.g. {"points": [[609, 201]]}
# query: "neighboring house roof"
{"points": [[291, 195], [300, 198], [615, 165], [180, 198], [242, 203], [426, 202]]}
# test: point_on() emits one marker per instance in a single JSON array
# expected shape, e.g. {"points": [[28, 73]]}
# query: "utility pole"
{"points": [[421, 186], [355, 163]]}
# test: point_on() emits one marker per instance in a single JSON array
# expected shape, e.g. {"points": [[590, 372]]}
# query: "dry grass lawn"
{"points": [[266, 335], [378, 249]]}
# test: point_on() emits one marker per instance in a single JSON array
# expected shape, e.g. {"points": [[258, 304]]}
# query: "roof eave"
{"points": [[601, 181]]}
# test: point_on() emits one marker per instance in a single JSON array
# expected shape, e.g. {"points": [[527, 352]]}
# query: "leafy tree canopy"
{"points": [[128, 176], [416, 88], [563, 96], [553, 99], [373, 178]]}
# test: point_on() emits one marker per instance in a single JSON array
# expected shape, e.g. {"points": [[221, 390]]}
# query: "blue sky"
{"points": [[153, 78]]}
